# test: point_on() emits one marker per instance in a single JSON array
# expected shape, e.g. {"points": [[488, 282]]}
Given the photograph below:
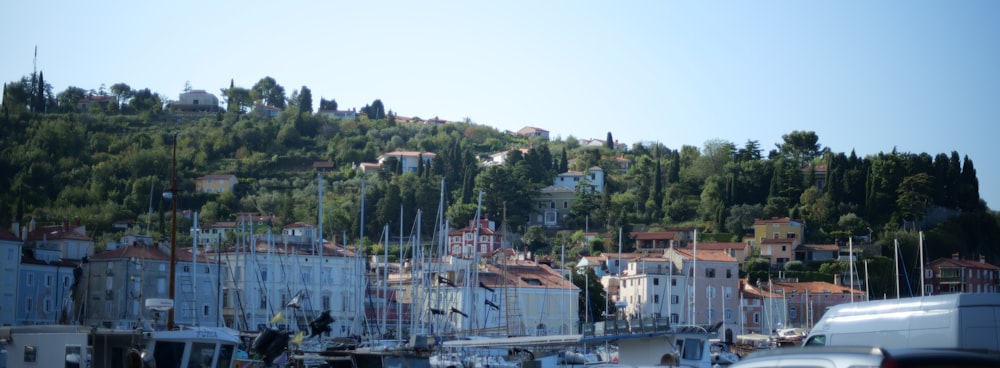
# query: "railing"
{"points": [[624, 327]]}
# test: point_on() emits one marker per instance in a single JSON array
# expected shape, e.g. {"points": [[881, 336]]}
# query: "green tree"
{"points": [[914, 196], [67, 99], [325, 104], [305, 100], [800, 146], [268, 92], [122, 93], [375, 111]]}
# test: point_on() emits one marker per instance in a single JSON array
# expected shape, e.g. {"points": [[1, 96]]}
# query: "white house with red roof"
{"points": [[481, 238]]}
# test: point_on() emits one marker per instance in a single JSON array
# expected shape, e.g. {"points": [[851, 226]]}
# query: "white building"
{"points": [[689, 291], [274, 276], [409, 159], [10, 260], [516, 297]]}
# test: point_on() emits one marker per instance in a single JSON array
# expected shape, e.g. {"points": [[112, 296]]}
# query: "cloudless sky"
{"points": [[868, 76]]}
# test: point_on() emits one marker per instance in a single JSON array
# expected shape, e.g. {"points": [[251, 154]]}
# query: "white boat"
{"points": [[68, 346], [196, 347], [655, 343]]}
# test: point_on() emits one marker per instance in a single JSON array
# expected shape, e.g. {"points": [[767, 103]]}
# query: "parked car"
{"points": [[867, 357]]}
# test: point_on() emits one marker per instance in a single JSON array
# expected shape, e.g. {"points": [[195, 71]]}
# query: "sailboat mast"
{"points": [[850, 265], [173, 232]]}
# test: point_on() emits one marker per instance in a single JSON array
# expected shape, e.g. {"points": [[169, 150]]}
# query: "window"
{"points": [[263, 274], [729, 273], [225, 298], [710, 292], [263, 300], [656, 281], [756, 318], [187, 268], [784, 248], [710, 272], [675, 299], [326, 302], [792, 313], [30, 279], [729, 314], [48, 280], [204, 310], [673, 282], [552, 204], [656, 298], [565, 204], [728, 291]]}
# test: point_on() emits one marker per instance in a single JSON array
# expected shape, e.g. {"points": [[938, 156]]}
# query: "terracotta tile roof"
{"points": [[57, 232], [261, 246], [217, 176], [705, 255], [720, 246], [813, 287], [129, 251], [323, 165], [7, 235], [819, 247], [967, 263], [220, 225], [661, 235], [525, 275], [778, 241], [775, 220]]}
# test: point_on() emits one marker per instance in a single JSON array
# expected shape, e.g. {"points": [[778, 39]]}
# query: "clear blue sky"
{"points": [[870, 76]]}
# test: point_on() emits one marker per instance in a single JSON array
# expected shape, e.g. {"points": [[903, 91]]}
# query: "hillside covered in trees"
{"points": [[110, 162]]}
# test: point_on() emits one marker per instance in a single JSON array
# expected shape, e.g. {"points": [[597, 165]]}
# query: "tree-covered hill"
{"points": [[110, 162]]}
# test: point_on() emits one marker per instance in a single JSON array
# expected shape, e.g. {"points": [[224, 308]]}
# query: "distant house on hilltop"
{"points": [[339, 114], [83, 105], [532, 132], [196, 101], [409, 159]]}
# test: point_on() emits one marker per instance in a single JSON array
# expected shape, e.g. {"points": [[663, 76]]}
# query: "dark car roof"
{"points": [[900, 358]]}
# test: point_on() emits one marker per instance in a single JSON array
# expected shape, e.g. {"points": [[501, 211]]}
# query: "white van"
{"points": [[952, 321]]}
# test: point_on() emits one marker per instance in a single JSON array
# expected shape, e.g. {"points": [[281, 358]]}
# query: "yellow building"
{"points": [[777, 238], [215, 183]]}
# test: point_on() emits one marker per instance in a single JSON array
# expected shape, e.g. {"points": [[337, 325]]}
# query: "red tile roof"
{"points": [[661, 235], [57, 232], [705, 255]]}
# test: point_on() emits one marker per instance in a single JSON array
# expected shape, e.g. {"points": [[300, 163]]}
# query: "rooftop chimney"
{"points": [[836, 279], [982, 259], [954, 256]]}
